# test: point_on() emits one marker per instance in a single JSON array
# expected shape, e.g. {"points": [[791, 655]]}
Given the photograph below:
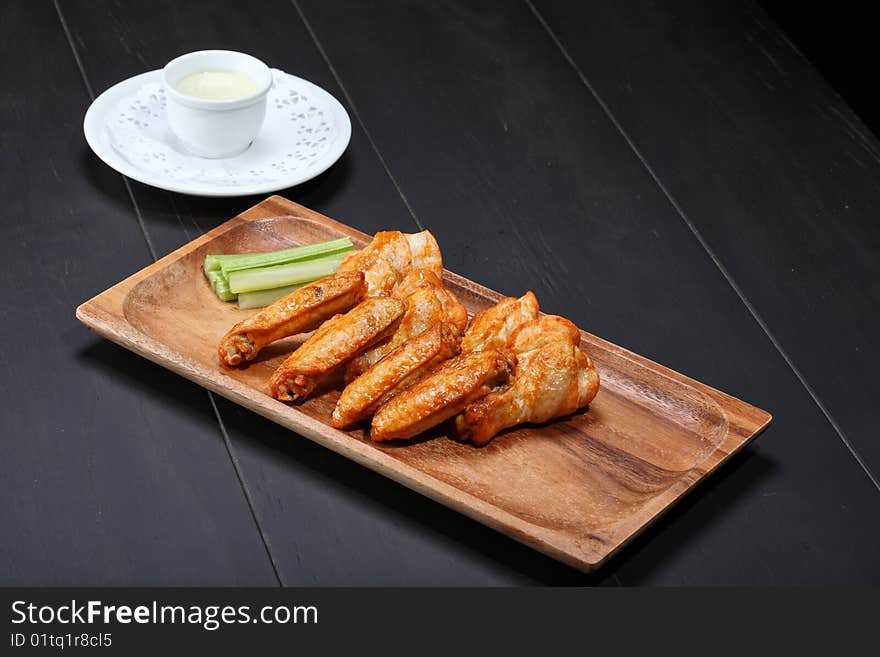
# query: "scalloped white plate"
{"points": [[288, 151]]}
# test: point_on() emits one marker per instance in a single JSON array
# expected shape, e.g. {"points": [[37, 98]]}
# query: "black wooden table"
{"points": [[675, 177]]}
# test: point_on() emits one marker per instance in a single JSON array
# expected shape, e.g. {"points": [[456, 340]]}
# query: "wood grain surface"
{"points": [[498, 162], [113, 470], [325, 519], [473, 120], [774, 171], [577, 488]]}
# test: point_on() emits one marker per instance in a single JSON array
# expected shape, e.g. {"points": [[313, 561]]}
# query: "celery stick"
{"points": [[212, 263], [241, 261], [264, 278], [265, 297], [220, 286], [230, 266]]}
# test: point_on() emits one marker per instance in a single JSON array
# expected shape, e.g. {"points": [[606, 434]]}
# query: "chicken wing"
{"points": [[491, 328], [541, 331], [403, 367], [372, 271], [336, 341], [427, 303], [425, 252], [390, 256], [553, 378], [426, 278], [442, 394], [300, 311]]}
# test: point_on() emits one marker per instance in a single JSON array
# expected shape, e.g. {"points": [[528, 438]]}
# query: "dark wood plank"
{"points": [[527, 184], [767, 161], [114, 471], [692, 547], [328, 521]]}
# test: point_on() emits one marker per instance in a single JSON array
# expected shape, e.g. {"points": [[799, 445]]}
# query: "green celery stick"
{"points": [[264, 298], [239, 261], [212, 263], [220, 286], [227, 267], [264, 278]]}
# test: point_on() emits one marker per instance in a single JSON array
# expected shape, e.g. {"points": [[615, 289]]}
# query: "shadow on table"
{"points": [[695, 514], [125, 368], [690, 517], [158, 205]]}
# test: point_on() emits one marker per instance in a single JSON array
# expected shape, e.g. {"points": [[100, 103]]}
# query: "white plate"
{"points": [[281, 156]]}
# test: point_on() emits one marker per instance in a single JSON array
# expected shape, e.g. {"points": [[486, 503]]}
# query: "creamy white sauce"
{"points": [[217, 85]]}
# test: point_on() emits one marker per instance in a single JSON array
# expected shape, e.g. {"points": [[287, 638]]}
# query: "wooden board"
{"points": [[576, 489]]}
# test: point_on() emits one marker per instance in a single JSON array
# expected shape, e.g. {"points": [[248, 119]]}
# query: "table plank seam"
{"points": [[233, 460], [310, 501], [374, 146], [91, 92], [74, 51], [244, 487], [357, 115], [153, 252], [706, 247]]}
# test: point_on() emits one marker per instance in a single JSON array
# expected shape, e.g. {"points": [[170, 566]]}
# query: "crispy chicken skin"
{"points": [[442, 394], [424, 278], [300, 311], [372, 271], [491, 328], [553, 378], [403, 367], [390, 256], [543, 330], [336, 341], [425, 252], [427, 303]]}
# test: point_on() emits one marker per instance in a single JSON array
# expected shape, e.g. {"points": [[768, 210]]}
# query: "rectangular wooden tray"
{"points": [[576, 489]]}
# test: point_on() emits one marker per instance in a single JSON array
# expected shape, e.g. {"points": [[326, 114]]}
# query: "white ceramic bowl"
{"points": [[215, 128]]}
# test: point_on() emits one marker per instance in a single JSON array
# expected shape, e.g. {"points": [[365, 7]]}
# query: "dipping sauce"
{"points": [[217, 85]]}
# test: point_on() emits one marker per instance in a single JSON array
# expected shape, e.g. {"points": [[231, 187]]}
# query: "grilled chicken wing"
{"points": [[390, 256], [553, 378], [442, 394], [300, 311], [426, 278], [425, 252], [427, 303], [403, 367], [336, 341], [541, 331], [372, 271], [491, 328]]}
